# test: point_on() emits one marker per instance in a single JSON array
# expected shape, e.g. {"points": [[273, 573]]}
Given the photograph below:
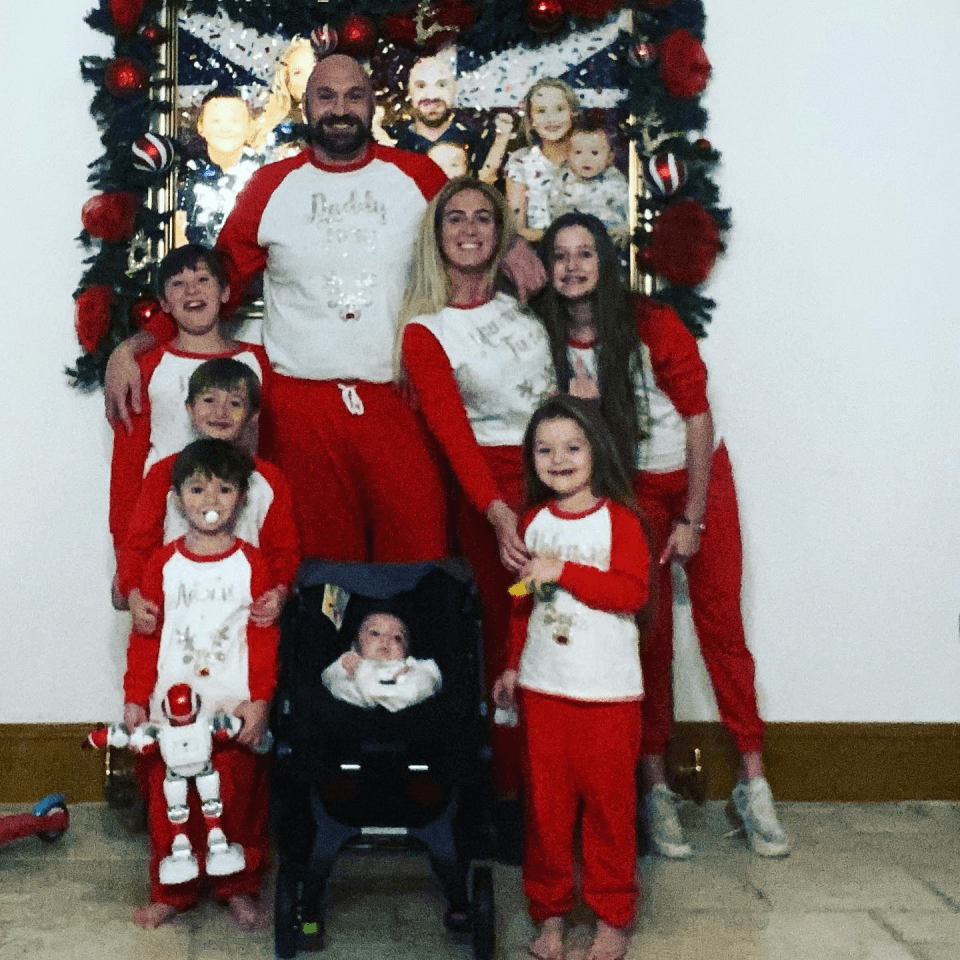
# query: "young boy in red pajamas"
{"points": [[223, 402], [204, 584], [192, 281]]}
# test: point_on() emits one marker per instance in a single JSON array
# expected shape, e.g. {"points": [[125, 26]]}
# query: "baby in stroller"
{"points": [[349, 772], [378, 668]]}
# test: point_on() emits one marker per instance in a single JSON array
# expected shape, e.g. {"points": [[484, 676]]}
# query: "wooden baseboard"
{"points": [[863, 762], [857, 762]]}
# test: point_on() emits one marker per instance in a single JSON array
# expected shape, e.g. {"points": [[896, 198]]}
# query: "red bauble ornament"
{"points": [[703, 145], [358, 36], [684, 67], [684, 243], [126, 14], [154, 34], [324, 39], [591, 9], [91, 315], [152, 153], [665, 173], [643, 53], [111, 217], [544, 15], [125, 78], [144, 310]]}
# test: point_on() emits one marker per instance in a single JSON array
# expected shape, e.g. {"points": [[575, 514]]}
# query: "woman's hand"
{"points": [[582, 383], [684, 542], [523, 268], [505, 690], [513, 552]]}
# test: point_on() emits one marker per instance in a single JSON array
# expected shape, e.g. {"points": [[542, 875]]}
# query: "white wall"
{"points": [[834, 355]]}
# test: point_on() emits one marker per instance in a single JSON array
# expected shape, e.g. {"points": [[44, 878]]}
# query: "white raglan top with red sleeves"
{"points": [[335, 243], [582, 643], [163, 426], [500, 357], [205, 638], [670, 374]]}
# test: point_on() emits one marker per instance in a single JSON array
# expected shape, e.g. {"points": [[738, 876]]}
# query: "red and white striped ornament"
{"points": [[152, 153], [665, 173], [324, 39]]}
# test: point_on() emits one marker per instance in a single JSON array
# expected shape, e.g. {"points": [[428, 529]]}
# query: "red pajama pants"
{"points": [[366, 486], [713, 577], [580, 758], [244, 791], [478, 543]]}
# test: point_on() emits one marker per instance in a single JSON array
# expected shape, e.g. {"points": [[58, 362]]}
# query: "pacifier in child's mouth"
{"points": [[211, 516]]}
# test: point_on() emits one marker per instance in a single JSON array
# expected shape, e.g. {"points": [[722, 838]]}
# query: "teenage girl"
{"points": [[550, 110], [644, 364], [574, 675]]}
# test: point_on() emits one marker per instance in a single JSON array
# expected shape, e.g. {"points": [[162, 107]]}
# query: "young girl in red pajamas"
{"points": [[574, 675], [637, 356]]}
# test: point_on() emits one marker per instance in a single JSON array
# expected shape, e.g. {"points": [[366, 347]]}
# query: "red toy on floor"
{"points": [[49, 820]]}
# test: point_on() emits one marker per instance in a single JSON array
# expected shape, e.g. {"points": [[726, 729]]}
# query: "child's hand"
{"points": [[145, 613], [513, 551], [266, 608], [133, 716], [684, 542], [542, 569], [505, 690], [350, 662], [254, 714]]}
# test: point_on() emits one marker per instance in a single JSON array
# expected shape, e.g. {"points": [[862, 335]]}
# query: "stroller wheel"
{"points": [[52, 804], [484, 935]]}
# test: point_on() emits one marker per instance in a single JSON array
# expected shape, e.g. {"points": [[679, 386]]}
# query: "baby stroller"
{"points": [[344, 774]]}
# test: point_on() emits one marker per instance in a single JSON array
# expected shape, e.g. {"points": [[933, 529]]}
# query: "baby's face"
{"points": [[589, 154], [299, 67], [450, 158], [382, 637]]}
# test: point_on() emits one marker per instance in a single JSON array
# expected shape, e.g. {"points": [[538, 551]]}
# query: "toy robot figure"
{"points": [[186, 744]]}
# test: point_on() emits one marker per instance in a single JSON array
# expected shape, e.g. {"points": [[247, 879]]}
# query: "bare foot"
{"points": [[609, 943], [250, 914], [153, 915], [549, 945]]}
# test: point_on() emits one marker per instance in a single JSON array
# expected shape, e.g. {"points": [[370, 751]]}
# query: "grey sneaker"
{"points": [[751, 808], [663, 825]]}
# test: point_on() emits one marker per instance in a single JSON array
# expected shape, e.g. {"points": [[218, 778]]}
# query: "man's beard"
{"points": [[433, 120], [339, 142]]}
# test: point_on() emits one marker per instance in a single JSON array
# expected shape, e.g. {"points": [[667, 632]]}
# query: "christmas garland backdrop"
{"points": [[681, 224]]}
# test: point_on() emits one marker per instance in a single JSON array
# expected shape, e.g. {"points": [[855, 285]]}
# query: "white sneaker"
{"points": [[663, 824], [751, 807]]}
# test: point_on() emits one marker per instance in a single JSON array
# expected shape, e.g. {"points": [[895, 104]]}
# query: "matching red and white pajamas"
{"points": [[265, 520], [163, 426], [477, 375], [205, 639], [674, 380], [334, 244], [580, 691]]}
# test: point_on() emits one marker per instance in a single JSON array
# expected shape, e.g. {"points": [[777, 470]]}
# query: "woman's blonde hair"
{"points": [[428, 282], [280, 104], [547, 83]]}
